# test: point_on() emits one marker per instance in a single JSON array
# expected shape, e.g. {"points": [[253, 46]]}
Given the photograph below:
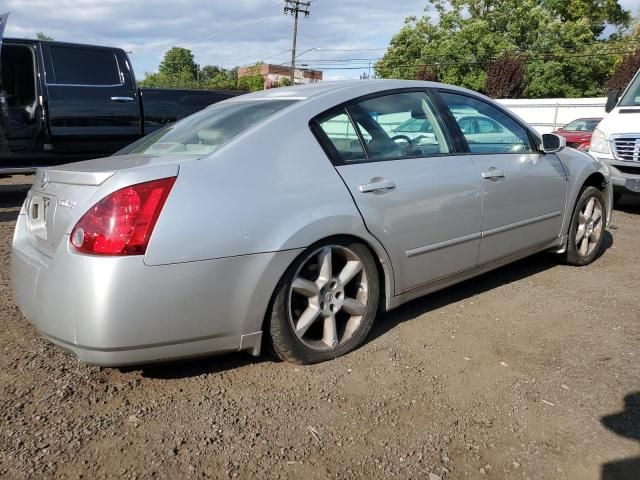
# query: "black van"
{"points": [[63, 102]]}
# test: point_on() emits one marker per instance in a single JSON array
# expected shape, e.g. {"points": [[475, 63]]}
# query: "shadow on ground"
{"points": [[203, 366], [11, 199], [385, 322], [629, 204], [626, 424], [469, 288]]}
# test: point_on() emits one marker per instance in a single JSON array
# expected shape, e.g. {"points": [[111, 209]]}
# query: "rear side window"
{"points": [[339, 129], [84, 66], [486, 128], [400, 125], [386, 127]]}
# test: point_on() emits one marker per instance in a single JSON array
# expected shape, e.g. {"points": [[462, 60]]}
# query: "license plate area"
{"points": [[39, 213]]}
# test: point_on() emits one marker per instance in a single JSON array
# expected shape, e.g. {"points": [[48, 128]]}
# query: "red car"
{"points": [[578, 133]]}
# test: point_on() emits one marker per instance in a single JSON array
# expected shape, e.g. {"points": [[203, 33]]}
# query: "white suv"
{"points": [[616, 139]]}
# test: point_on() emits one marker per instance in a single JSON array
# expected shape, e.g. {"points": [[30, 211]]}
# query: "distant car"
{"points": [[294, 214], [417, 130], [578, 133]]}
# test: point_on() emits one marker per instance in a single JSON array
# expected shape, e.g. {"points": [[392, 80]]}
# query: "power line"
{"points": [[217, 32], [543, 56]]}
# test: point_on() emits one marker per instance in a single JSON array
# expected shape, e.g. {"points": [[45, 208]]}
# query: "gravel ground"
{"points": [[530, 371]]}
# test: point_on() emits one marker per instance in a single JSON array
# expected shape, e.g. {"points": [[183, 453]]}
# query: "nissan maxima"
{"points": [[293, 218]]}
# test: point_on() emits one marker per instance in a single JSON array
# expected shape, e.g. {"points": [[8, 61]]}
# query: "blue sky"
{"points": [[222, 32]]}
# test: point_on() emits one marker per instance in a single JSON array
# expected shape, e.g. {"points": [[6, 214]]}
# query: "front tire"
{"points": [[325, 304], [586, 232]]}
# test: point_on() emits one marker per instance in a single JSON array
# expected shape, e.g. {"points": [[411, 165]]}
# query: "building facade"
{"points": [[274, 74]]}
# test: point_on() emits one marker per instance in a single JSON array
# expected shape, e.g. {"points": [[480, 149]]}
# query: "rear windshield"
{"points": [[206, 131]]}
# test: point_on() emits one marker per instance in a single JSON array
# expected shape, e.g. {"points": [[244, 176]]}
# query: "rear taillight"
{"points": [[122, 222]]}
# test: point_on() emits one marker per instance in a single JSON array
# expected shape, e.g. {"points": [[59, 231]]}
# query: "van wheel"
{"points": [[325, 304], [586, 233]]}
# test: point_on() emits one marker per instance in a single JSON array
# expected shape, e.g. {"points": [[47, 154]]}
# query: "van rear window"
{"points": [[84, 66]]}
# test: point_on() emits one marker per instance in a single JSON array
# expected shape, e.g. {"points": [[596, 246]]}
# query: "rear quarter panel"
{"points": [[272, 190]]}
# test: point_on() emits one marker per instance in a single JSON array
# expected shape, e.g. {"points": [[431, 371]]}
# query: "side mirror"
{"points": [[552, 143], [612, 100]]}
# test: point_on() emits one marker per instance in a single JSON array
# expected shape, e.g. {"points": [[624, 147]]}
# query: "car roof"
{"points": [[353, 87], [55, 42], [585, 118]]}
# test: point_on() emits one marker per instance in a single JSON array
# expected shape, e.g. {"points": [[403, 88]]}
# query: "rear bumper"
{"points": [[115, 311]]}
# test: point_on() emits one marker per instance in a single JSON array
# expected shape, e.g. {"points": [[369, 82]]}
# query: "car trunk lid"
{"points": [[61, 195]]}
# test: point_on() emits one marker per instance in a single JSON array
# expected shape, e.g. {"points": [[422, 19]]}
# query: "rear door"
{"points": [[523, 190], [93, 103], [417, 196]]}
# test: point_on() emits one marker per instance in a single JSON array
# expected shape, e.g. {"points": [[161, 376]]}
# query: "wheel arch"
{"points": [[380, 257], [583, 171], [598, 180]]}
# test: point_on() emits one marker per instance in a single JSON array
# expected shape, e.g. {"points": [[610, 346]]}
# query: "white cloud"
{"points": [[223, 32], [220, 33]]}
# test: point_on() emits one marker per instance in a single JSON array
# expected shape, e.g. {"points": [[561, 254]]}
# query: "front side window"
{"points": [[486, 128], [206, 131], [84, 66]]}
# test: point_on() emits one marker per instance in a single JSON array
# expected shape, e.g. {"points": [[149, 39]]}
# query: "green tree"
{"points": [[43, 36], [624, 72], [180, 62], [253, 81], [562, 56], [598, 13], [209, 72]]}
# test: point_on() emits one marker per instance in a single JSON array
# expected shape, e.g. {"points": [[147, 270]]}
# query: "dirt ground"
{"points": [[531, 372]]}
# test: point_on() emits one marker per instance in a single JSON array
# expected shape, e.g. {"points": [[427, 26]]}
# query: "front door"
{"points": [[523, 190], [417, 198], [93, 103]]}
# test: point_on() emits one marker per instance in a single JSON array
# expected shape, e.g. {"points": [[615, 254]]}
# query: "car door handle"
{"points": [[493, 173], [122, 99], [377, 185]]}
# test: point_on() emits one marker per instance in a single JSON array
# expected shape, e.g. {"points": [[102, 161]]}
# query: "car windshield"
{"points": [[206, 131], [582, 125], [632, 95]]}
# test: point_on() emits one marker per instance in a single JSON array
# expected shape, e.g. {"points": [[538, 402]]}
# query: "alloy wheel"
{"points": [[328, 297], [589, 229]]}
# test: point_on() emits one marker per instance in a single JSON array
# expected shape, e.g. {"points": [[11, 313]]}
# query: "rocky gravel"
{"points": [[531, 372]]}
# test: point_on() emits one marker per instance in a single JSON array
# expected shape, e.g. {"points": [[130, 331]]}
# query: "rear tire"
{"points": [[325, 304], [586, 232]]}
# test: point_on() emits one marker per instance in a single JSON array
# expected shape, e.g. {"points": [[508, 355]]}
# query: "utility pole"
{"points": [[295, 7]]}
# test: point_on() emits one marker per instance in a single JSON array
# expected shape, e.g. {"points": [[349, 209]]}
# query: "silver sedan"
{"points": [[292, 217]]}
